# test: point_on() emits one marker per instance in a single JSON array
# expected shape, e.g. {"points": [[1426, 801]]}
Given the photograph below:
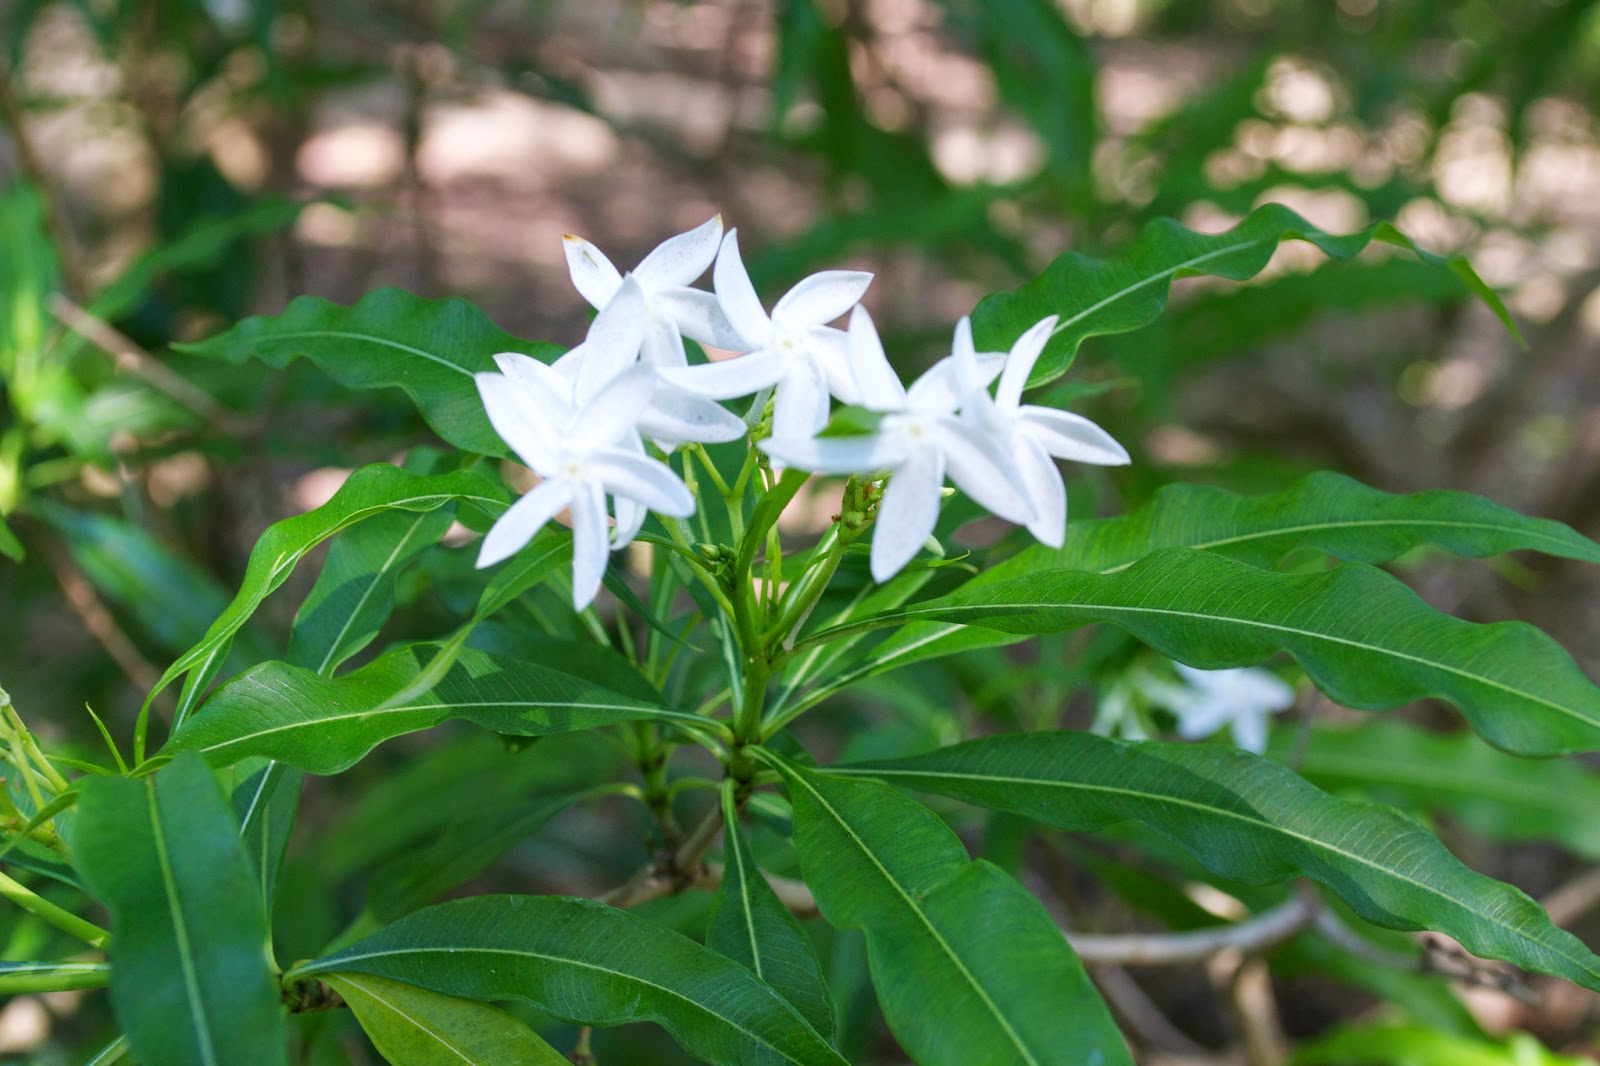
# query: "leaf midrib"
{"points": [[366, 593], [368, 991], [369, 338], [191, 980]]}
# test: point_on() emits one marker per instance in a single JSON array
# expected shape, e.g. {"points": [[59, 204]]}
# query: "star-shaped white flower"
{"points": [[1241, 698], [1040, 433], [584, 452], [925, 434], [670, 308], [793, 349]]}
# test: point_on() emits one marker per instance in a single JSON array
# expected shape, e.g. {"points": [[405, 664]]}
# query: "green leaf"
{"points": [[1493, 794], [1094, 297], [412, 1026], [389, 338], [190, 978], [967, 965], [1365, 638], [590, 964], [1253, 820], [19, 978], [355, 590], [751, 926], [325, 725], [1418, 1045], [265, 797], [370, 491], [10, 546]]}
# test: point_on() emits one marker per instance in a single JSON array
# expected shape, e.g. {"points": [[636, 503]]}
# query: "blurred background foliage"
{"points": [[168, 166]]}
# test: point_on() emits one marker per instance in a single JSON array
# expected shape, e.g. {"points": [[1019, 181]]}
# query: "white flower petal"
{"points": [[1069, 436], [680, 260], [522, 520], [738, 296], [729, 378], [908, 512], [642, 479], [613, 412], [1039, 476], [800, 408], [630, 519], [877, 385], [1250, 731], [522, 418], [1201, 719], [1019, 364], [592, 273], [675, 416], [831, 349], [821, 298], [837, 455], [613, 341], [982, 470], [591, 542], [663, 345], [699, 315], [961, 345], [950, 382], [551, 382]]}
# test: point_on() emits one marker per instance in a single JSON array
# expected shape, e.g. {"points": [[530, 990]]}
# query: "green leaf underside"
{"points": [[389, 338], [190, 980], [589, 964], [370, 491], [412, 1026], [1251, 819], [1094, 297], [324, 725], [751, 926], [1366, 639], [967, 965], [1496, 795]]}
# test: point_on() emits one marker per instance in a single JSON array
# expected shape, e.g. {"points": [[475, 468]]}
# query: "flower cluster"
{"points": [[583, 422]]}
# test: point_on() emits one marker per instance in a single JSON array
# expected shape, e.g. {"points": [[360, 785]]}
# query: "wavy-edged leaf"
{"points": [[1251, 819], [1494, 794], [1365, 638], [751, 926], [370, 491], [968, 966], [388, 338], [589, 964], [324, 725], [190, 980], [1094, 297], [412, 1026]]}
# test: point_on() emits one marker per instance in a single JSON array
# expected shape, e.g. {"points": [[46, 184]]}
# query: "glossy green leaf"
{"points": [[1499, 796], [19, 978], [968, 966], [1393, 1044], [412, 1026], [750, 925], [1366, 639], [1119, 295], [1253, 820], [590, 964], [370, 491], [265, 796], [190, 979], [325, 725], [428, 348]]}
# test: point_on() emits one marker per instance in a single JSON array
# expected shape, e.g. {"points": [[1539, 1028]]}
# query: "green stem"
{"points": [[43, 909], [22, 978]]}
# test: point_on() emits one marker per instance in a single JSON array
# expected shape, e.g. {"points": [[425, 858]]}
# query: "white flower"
{"points": [[1241, 698], [924, 434], [611, 347], [1038, 433], [585, 452], [793, 348], [670, 307]]}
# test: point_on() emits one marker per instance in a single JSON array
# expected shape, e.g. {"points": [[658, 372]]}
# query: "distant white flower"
{"points": [[1241, 698], [670, 308], [793, 349], [585, 451], [924, 434], [1038, 433]]}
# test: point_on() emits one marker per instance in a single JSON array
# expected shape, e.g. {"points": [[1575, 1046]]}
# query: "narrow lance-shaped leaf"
{"points": [[1249, 818], [190, 980], [325, 725], [750, 925], [589, 964], [369, 491], [412, 1026], [1366, 639], [1119, 295], [967, 965], [389, 338], [265, 797]]}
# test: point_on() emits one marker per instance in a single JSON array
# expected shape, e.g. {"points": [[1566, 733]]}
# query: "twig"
{"points": [[1249, 937], [1573, 900], [54, 220], [97, 619]]}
